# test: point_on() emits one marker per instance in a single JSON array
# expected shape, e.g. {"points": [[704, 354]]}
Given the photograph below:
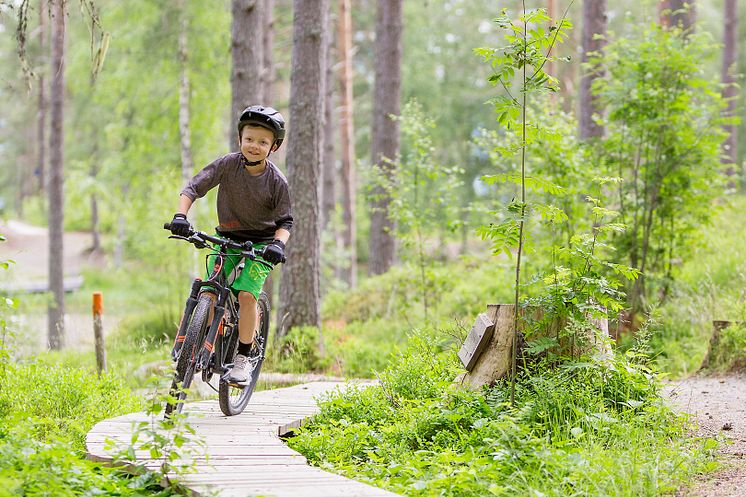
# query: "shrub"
{"points": [[588, 428], [297, 352], [60, 403]]}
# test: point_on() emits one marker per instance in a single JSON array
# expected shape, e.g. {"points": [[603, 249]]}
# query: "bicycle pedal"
{"points": [[235, 384]]}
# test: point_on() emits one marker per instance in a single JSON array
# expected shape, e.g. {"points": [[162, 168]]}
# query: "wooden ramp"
{"points": [[244, 454]]}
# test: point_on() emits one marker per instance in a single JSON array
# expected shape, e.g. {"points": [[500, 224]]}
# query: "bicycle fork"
{"points": [[191, 303], [215, 327]]}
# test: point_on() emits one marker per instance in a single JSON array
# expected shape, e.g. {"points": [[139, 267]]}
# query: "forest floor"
{"points": [[718, 407]]}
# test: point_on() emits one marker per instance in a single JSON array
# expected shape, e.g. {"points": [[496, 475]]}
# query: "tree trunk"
{"points": [[347, 272], [299, 288], [268, 71], [328, 162], [678, 13], [247, 51], [187, 162], [95, 231], [729, 74], [42, 115], [594, 23], [121, 230], [56, 308], [385, 133], [268, 74]]}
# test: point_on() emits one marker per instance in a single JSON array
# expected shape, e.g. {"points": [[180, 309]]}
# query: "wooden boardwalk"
{"points": [[244, 454]]}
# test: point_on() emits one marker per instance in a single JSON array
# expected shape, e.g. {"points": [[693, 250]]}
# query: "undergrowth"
{"points": [[585, 428], [45, 413]]}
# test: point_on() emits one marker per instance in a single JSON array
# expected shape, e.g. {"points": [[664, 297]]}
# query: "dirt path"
{"points": [[719, 407], [27, 246]]}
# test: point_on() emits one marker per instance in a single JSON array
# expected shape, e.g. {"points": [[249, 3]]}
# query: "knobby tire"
{"points": [[233, 400], [186, 363]]}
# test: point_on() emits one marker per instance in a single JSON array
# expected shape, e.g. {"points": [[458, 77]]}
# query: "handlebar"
{"points": [[199, 239]]}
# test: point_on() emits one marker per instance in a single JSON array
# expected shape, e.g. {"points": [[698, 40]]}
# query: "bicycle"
{"points": [[212, 349]]}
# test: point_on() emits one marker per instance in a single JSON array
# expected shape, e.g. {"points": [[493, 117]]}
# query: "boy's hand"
{"points": [[274, 252], [180, 226]]}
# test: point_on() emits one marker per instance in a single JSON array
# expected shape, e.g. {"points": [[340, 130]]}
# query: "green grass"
{"points": [[45, 413], [709, 287], [583, 429]]}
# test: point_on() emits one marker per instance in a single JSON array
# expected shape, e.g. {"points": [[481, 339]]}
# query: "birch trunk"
{"points": [[187, 162]]}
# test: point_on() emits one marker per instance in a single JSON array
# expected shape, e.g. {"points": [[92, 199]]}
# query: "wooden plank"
{"points": [[476, 341], [243, 455]]}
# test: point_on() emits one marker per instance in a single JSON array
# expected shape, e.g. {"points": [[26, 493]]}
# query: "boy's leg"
{"points": [[246, 327], [249, 285], [247, 319]]}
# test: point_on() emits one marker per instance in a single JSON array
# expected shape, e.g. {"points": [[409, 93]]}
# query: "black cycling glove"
{"points": [[180, 226], [274, 252]]}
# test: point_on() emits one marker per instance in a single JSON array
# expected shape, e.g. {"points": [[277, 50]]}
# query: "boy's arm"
{"points": [[185, 203], [283, 235]]}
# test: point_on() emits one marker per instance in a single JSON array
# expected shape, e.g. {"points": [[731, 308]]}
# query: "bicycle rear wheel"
{"points": [[185, 364], [233, 398]]}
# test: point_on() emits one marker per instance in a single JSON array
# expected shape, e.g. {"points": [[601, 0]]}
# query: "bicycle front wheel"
{"points": [[186, 362], [234, 398]]}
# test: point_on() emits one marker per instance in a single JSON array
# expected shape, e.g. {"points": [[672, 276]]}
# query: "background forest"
{"points": [[409, 147]]}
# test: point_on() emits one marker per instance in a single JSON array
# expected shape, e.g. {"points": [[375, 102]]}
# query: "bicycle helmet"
{"points": [[266, 117]]}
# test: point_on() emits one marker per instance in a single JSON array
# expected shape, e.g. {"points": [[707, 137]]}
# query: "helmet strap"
{"points": [[248, 163]]}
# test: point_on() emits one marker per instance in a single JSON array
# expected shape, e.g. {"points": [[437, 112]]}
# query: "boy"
{"points": [[253, 204]]}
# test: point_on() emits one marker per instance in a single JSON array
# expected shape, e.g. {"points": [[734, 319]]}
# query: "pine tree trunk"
{"points": [[56, 308], [594, 23], [247, 50], [187, 162], [348, 271], [385, 133], [678, 13], [268, 71], [328, 162], [729, 74], [41, 135], [299, 288], [268, 74]]}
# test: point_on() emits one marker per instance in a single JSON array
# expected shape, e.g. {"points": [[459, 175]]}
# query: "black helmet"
{"points": [[267, 117]]}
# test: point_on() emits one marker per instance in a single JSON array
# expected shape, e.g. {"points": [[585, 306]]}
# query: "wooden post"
{"points": [[98, 331]]}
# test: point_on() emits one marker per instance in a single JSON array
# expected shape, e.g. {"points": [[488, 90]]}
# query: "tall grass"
{"points": [[584, 429], [709, 286]]}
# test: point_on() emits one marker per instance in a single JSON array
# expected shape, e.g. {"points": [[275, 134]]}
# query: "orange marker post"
{"points": [[98, 331]]}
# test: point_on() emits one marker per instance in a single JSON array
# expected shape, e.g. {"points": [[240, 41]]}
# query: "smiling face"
{"points": [[256, 143]]}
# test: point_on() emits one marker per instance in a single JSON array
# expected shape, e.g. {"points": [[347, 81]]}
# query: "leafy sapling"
{"points": [[529, 42]]}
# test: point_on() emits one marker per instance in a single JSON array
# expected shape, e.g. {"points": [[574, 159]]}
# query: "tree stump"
{"points": [[487, 355], [717, 327]]}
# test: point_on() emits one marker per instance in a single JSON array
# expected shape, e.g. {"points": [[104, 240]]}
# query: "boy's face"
{"points": [[256, 143]]}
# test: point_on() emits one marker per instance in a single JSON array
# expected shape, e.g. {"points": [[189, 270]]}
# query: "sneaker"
{"points": [[241, 369]]}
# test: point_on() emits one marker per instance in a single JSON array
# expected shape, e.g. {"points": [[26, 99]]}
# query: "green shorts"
{"points": [[250, 279]]}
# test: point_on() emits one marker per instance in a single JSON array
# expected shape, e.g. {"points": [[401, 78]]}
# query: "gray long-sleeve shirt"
{"points": [[249, 207]]}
